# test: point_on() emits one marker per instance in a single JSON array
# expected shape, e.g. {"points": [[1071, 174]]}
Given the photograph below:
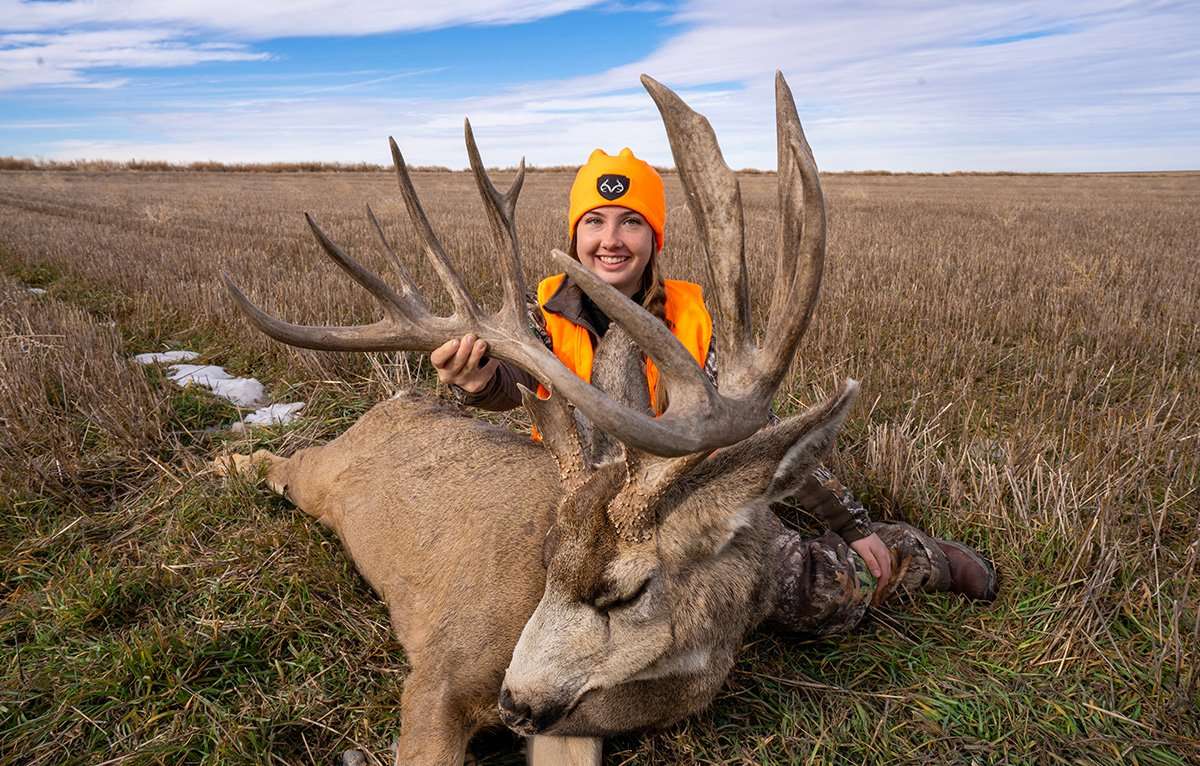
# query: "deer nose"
{"points": [[517, 716]]}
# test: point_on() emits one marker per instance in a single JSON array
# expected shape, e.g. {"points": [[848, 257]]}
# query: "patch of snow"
{"points": [[36, 290], [244, 392], [165, 356], [272, 414]]}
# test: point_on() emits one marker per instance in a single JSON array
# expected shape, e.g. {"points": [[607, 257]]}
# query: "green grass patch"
{"points": [[32, 274], [212, 627]]}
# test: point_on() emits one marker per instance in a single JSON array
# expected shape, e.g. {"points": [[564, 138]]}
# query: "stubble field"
{"points": [[1029, 348]]}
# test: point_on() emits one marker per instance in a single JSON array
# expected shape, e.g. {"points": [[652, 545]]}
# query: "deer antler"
{"points": [[698, 418]]}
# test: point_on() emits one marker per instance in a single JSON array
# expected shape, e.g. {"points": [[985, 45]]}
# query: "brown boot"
{"points": [[970, 573]]}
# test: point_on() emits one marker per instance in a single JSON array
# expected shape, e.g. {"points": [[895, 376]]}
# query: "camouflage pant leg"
{"points": [[825, 587]]}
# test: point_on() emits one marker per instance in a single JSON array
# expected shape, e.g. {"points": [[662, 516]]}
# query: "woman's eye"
{"points": [[632, 222]]}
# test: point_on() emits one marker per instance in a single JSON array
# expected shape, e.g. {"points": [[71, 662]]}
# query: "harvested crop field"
{"points": [[1029, 348]]}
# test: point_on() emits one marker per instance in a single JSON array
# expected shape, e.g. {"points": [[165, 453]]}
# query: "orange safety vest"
{"points": [[687, 317]]}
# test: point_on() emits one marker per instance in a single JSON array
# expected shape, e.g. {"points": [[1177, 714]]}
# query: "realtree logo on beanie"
{"points": [[612, 186]]}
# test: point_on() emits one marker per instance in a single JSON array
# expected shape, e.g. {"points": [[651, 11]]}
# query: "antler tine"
{"points": [[501, 210], [715, 199], [790, 200], [560, 434], [464, 306], [802, 210], [407, 286], [392, 303], [380, 336]]}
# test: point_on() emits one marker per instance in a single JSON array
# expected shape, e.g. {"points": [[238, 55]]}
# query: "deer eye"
{"points": [[608, 601]]}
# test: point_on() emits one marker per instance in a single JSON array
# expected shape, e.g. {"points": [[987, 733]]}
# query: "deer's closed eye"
{"points": [[612, 600]]}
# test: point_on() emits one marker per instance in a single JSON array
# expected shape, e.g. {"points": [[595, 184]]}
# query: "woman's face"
{"points": [[615, 243]]}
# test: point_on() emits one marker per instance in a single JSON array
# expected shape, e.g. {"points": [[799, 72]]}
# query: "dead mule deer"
{"points": [[585, 598]]}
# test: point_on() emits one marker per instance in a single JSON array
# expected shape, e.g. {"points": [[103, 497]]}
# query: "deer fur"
{"points": [[452, 522]]}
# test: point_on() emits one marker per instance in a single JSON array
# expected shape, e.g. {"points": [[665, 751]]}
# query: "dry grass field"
{"points": [[1029, 348]]}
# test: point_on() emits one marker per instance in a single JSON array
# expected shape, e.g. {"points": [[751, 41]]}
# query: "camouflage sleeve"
{"points": [[821, 494], [537, 321], [829, 500]]}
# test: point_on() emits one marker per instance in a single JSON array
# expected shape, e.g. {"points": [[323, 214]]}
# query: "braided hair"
{"points": [[655, 301]]}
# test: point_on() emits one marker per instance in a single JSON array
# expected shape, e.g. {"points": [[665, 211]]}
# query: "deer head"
{"points": [[656, 570], [661, 558]]}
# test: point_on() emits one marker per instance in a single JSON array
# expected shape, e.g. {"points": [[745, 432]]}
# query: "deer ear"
{"points": [[813, 445], [779, 459]]}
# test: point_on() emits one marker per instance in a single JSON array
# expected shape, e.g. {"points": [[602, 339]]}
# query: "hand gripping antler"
{"points": [[698, 418]]}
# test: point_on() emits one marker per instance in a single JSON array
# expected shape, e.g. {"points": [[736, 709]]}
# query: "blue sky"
{"points": [[905, 85]]}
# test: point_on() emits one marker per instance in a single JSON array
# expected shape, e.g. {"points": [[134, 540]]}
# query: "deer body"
{"points": [[447, 517], [444, 516]]}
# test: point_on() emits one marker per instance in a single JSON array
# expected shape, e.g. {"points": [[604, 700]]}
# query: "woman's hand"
{"points": [[457, 363], [879, 561]]}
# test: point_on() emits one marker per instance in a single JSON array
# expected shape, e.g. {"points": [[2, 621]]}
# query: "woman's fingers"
{"points": [[872, 563], [883, 559], [441, 355], [885, 576], [465, 346], [457, 361], [878, 558], [477, 353], [452, 355]]}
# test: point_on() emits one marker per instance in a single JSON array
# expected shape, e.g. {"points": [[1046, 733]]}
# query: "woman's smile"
{"points": [[613, 262]]}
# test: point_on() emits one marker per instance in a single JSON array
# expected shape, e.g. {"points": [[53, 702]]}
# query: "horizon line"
{"points": [[134, 165]]}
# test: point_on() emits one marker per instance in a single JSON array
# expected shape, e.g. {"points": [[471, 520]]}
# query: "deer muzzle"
{"points": [[521, 717]]}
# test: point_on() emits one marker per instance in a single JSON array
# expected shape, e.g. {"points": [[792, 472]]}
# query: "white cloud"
{"points": [[280, 18], [907, 83], [41, 125], [1097, 85], [37, 52], [63, 59]]}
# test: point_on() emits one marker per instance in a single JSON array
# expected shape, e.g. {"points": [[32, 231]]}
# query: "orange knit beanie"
{"points": [[622, 180]]}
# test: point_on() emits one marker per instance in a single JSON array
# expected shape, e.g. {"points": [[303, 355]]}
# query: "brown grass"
{"points": [[73, 409], [1030, 353]]}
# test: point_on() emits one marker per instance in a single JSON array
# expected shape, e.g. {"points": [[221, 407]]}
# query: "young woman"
{"points": [[616, 219]]}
